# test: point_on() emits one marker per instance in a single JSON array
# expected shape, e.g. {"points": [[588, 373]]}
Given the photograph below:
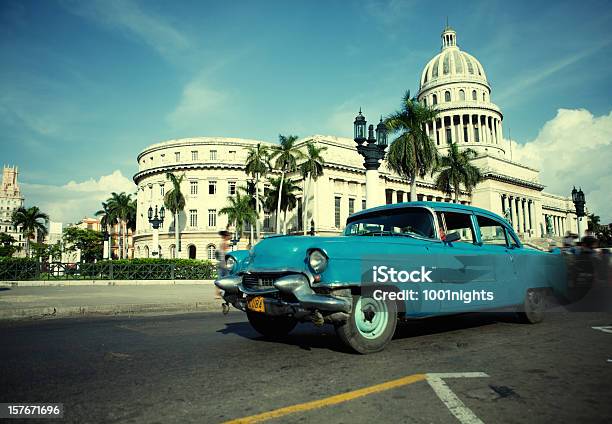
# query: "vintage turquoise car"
{"points": [[400, 261]]}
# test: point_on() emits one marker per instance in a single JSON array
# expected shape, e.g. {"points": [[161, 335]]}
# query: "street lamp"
{"points": [[579, 202], [156, 220], [373, 150], [106, 245]]}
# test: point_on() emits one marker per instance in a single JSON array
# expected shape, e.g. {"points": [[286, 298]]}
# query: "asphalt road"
{"points": [[209, 368]]}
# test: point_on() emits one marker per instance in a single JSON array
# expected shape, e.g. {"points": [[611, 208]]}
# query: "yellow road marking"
{"points": [[332, 400]]}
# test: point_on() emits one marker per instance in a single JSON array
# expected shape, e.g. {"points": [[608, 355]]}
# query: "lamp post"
{"points": [[373, 150], [155, 221], [106, 245], [579, 202]]}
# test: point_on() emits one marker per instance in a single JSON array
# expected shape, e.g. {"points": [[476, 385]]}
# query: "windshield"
{"points": [[404, 221]]}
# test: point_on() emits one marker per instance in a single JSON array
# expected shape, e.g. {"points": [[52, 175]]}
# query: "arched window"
{"points": [[211, 252], [192, 251], [434, 99], [484, 97], [172, 250], [146, 251], [425, 101], [447, 96], [138, 252], [461, 95], [474, 95]]}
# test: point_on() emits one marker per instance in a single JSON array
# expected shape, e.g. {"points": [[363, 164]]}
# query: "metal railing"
{"points": [[30, 270]]}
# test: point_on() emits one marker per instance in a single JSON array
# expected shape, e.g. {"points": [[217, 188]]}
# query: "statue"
{"points": [[508, 215]]}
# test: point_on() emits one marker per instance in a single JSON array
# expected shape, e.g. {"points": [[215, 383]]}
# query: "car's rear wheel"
{"points": [[271, 326], [370, 326], [534, 307]]}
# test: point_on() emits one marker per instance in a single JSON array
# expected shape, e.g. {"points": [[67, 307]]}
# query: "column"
{"points": [[523, 202], [495, 131], [479, 128], [530, 210], [470, 132], [443, 131], [435, 131], [456, 129], [155, 248], [518, 216], [503, 203], [512, 220]]}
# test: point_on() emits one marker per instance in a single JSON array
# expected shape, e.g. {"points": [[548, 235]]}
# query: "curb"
{"points": [[127, 309]]}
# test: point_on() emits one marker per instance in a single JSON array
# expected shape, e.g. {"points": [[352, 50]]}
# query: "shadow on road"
{"points": [[306, 336]]}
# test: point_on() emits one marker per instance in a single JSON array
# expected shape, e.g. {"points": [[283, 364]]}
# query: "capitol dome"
{"points": [[452, 64], [455, 84]]}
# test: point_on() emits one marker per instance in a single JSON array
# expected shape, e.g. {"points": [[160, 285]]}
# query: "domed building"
{"points": [[453, 81]]}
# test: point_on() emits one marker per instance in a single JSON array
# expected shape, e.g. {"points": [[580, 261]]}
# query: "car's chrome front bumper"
{"points": [[296, 285]]}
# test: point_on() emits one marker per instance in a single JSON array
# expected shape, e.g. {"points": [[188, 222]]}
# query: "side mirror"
{"points": [[451, 237]]}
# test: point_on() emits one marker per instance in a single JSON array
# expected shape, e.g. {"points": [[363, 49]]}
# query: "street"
{"points": [[209, 368]]}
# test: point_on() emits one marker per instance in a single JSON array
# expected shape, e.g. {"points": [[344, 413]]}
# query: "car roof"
{"points": [[437, 206]]}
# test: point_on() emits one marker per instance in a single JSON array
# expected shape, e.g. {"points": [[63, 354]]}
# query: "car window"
{"points": [[492, 232], [460, 223], [405, 221]]}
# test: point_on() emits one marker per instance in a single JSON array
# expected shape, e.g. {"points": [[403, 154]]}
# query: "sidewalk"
{"points": [[64, 301]]}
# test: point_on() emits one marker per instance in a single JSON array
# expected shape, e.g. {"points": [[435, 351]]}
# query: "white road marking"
{"points": [[607, 329], [450, 399]]}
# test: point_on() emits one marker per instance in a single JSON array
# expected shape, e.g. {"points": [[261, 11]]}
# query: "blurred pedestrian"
{"points": [[224, 247]]}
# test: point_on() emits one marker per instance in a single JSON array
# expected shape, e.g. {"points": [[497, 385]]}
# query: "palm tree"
{"points": [[412, 153], [120, 207], [593, 222], [285, 157], [455, 169], [257, 165], [174, 201], [288, 199], [107, 220], [239, 212], [32, 223], [312, 169]]}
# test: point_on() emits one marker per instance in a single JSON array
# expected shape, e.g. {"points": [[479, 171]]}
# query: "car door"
{"points": [[462, 267], [497, 248]]}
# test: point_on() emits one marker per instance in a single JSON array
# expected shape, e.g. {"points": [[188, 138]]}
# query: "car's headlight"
{"points": [[230, 262], [317, 261]]}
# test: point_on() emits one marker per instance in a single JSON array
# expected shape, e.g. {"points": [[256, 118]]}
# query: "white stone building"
{"points": [[11, 200], [452, 81]]}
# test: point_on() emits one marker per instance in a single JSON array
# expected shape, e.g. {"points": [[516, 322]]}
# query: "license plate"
{"points": [[256, 304]]}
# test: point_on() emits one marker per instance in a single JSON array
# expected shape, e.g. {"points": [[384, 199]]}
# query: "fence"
{"points": [[24, 270]]}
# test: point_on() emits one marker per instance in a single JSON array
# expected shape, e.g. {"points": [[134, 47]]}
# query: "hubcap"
{"points": [[371, 317]]}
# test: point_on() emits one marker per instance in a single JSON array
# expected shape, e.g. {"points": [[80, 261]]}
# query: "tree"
{"points": [[239, 212], [312, 169], [257, 166], [455, 169], [88, 242], [288, 197], [121, 207], [174, 201], [7, 248], [593, 223], [285, 157], [107, 220], [32, 223], [412, 153]]}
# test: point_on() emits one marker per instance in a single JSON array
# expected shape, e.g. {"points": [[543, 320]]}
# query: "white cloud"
{"points": [[197, 100], [75, 200], [574, 149]]}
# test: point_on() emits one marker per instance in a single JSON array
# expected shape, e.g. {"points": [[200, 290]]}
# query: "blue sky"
{"points": [[86, 85]]}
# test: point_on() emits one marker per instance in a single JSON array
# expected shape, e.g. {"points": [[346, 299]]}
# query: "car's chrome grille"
{"points": [[260, 281]]}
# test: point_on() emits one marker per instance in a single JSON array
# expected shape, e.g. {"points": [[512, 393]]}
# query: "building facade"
{"points": [[11, 199], [453, 82]]}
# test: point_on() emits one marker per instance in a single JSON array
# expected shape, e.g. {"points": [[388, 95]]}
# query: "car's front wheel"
{"points": [[370, 326], [534, 307], [270, 326]]}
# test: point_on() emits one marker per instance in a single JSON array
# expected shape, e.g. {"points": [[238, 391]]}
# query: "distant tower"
{"points": [[10, 200]]}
